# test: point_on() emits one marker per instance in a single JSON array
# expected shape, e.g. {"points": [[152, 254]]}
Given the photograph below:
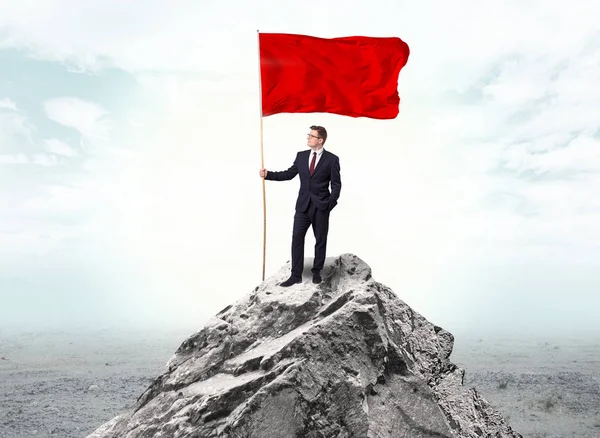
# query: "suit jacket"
{"points": [[315, 187]]}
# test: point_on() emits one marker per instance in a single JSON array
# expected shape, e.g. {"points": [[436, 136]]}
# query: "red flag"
{"points": [[353, 76]]}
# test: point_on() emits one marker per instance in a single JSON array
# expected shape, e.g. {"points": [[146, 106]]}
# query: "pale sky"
{"points": [[130, 150]]}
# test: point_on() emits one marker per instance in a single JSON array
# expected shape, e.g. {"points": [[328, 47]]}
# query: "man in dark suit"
{"points": [[317, 168]]}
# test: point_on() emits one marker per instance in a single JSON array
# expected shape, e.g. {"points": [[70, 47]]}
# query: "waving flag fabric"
{"points": [[355, 76]]}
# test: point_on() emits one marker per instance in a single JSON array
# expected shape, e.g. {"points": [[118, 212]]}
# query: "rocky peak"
{"points": [[345, 358]]}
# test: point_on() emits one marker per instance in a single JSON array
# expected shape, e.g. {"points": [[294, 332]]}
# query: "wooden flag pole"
{"points": [[262, 162]]}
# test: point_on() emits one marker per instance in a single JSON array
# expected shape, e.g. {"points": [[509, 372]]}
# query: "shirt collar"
{"points": [[319, 152]]}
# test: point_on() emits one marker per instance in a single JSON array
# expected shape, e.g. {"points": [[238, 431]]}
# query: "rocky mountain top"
{"points": [[344, 358]]}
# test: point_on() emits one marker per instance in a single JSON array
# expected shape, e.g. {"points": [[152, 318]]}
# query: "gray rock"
{"points": [[345, 358]]}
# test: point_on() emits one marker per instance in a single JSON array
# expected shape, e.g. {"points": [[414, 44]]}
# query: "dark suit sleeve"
{"points": [[336, 183], [284, 175]]}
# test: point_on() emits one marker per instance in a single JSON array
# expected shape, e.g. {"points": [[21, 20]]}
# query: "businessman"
{"points": [[317, 169]]}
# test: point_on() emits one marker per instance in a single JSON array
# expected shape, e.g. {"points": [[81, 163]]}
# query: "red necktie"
{"points": [[312, 163]]}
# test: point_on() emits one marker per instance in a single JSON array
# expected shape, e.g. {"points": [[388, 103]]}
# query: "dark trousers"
{"points": [[319, 219]]}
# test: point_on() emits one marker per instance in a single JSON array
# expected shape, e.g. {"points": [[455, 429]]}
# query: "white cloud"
{"points": [[519, 82], [39, 159], [17, 137], [87, 117], [14, 159], [45, 160], [58, 199], [153, 38], [58, 147], [580, 154], [6, 103], [16, 132]]}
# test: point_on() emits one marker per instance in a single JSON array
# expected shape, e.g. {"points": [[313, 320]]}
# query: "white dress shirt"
{"points": [[310, 157]]}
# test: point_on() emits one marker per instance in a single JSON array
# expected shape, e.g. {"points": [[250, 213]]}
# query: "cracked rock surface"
{"points": [[345, 358]]}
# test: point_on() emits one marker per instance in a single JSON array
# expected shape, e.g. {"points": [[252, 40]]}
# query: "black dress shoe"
{"points": [[317, 278], [290, 281]]}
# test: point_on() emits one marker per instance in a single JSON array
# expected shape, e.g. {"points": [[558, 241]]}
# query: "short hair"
{"points": [[322, 132]]}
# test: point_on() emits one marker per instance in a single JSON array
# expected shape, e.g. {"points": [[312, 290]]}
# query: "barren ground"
{"points": [[66, 384]]}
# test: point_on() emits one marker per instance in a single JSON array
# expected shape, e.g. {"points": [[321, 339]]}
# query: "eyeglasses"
{"points": [[313, 136]]}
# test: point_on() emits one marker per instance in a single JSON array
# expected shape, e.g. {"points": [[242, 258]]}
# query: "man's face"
{"points": [[313, 139]]}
